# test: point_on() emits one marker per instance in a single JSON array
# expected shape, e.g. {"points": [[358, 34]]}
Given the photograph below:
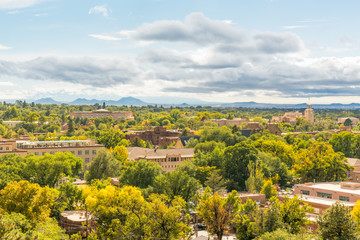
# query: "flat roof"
{"points": [[58, 141], [323, 201], [335, 187]]}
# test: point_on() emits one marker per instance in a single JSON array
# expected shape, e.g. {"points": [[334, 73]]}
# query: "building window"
{"points": [[73, 152], [7, 148], [79, 152], [94, 152], [1, 148], [36, 154], [305, 192], [87, 160], [346, 199], [43, 153], [52, 153], [324, 195], [87, 152]]}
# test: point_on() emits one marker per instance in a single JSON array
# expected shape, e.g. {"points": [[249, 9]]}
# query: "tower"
{"points": [[309, 113]]}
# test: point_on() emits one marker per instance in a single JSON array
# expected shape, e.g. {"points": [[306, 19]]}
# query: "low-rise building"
{"points": [[102, 113], [338, 191], [85, 149], [354, 174], [74, 221], [354, 121], [157, 136], [12, 123], [168, 159]]}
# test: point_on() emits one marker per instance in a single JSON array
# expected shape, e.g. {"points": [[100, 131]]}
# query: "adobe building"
{"points": [[309, 113], [157, 136], [102, 113], [354, 121], [290, 117], [354, 174], [274, 128], [85, 149], [168, 159], [74, 221]]}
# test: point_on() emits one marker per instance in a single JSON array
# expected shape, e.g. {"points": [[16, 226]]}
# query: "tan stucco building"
{"points": [[85, 149], [168, 159]]}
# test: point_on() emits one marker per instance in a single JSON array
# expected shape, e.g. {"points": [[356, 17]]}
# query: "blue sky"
{"points": [[277, 51]]}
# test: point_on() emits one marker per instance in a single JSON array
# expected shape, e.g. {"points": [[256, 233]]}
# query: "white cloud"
{"points": [[290, 27], [2, 47], [99, 10], [5, 84], [105, 37], [14, 4], [41, 14]]}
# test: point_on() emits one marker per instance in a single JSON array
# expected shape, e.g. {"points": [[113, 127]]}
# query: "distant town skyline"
{"points": [[275, 51]]}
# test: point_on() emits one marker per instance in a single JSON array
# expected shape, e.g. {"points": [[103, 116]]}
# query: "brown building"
{"points": [[85, 149], [157, 136], [257, 197], [289, 117], [274, 128], [73, 221], [354, 174], [309, 113], [102, 113], [354, 121], [338, 191], [168, 159]]}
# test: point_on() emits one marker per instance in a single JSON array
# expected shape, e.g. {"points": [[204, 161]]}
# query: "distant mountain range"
{"points": [[82, 101], [131, 101]]}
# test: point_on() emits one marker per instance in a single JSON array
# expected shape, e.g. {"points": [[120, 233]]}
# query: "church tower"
{"points": [[309, 113]]}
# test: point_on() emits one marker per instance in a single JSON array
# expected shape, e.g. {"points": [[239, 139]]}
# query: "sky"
{"points": [[275, 51]]}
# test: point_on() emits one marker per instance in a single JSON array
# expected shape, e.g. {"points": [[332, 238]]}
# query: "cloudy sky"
{"points": [[280, 51]]}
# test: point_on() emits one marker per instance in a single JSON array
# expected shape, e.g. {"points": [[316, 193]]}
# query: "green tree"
{"points": [[140, 173], [319, 162], [216, 182], [245, 220], [166, 218], [269, 189], [31, 200], [110, 138], [342, 142], [348, 122], [217, 212], [237, 158], [255, 181], [175, 114], [70, 131], [122, 213], [282, 234], [176, 183], [293, 212], [49, 169], [103, 166], [121, 153], [337, 223], [11, 168]]}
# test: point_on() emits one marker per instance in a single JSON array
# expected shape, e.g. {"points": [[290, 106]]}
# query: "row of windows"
{"points": [[329, 196], [171, 166], [79, 152], [7, 148], [324, 195]]}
